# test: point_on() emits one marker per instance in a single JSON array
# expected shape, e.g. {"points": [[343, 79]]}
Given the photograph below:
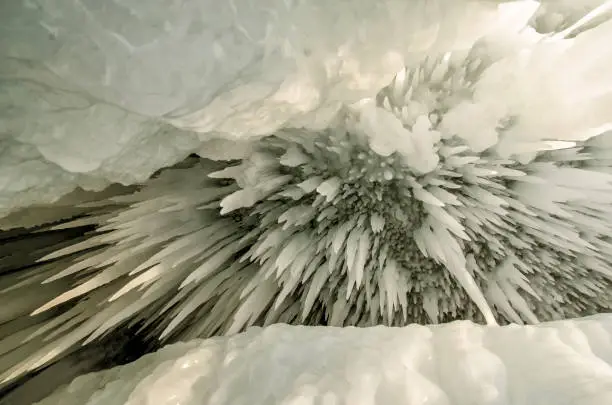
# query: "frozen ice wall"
{"points": [[97, 92], [561, 363]]}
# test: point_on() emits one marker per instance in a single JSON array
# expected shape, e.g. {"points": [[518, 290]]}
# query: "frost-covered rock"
{"points": [[560, 363]]}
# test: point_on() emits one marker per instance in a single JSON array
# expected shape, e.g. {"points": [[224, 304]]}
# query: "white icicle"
{"points": [[329, 188]]}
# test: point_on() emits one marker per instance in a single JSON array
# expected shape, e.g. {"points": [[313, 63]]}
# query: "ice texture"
{"points": [[93, 93], [560, 363], [98, 92]]}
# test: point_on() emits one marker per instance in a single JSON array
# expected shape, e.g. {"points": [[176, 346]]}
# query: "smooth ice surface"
{"points": [[560, 363], [97, 92]]}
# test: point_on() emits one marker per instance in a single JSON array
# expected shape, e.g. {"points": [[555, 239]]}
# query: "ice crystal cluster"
{"points": [[409, 175]]}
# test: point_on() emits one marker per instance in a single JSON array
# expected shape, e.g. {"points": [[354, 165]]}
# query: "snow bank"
{"points": [[560, 363]]}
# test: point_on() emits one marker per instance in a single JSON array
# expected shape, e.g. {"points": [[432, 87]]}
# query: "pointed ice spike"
{"points": [[297, 216], [75, 292], [593, 14], [299, 266], [377, 222], [310, 184], [466, 280], [77, 247], [363, 253], [316, 284], [431, 307], [123, 313], [446, 220], [340, 235], [143, 278], [338, 312], [440, 69], [253, 306], [212, 264], [399, 86], [231, 172], [294, 157], [518, 302], [441, 243], [238, 199], [426, 197], [86, 261], [198, 297], [330, 188], [269, 240], [352, 247], [496, 296], [389, 282], [290, 251]]}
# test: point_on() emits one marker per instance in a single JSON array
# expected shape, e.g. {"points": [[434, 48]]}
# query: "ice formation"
{"points": [[460, 363], [142, 86], [351, 163]]}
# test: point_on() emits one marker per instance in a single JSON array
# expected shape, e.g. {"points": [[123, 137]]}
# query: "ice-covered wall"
{"points": [[96, 92], [561, 363]]}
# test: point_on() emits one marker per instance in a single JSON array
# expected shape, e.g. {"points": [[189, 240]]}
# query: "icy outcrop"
{"points": [[561, 363], [96, 93]]}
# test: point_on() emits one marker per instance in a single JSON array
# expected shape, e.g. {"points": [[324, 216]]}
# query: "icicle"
{"points": [[294, 157], [447, 221], [329, 188], [356, 269], [290, 251], [426, 197], [352, 247], [431, 307], [202, 294], [211, 264], [399, 86], [239, 199], [315, 286], [297, 216], [253, 306], [593, 14], [377, 222], [517, 301], [310, 184], [341, 234]]}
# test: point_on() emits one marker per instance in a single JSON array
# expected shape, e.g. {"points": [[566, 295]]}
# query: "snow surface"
{"points": [[461, 363], [97, 92]]}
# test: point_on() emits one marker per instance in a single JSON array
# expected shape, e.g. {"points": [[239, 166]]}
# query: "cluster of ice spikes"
{"points": [[426, 204], [388, 218]]}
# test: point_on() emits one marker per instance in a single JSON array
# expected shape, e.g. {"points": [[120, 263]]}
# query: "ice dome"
{"points": [[196, 169]]}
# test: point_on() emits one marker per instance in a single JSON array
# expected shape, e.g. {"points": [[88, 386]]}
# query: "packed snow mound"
{"points": [[93, 93], [560, 363]]}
